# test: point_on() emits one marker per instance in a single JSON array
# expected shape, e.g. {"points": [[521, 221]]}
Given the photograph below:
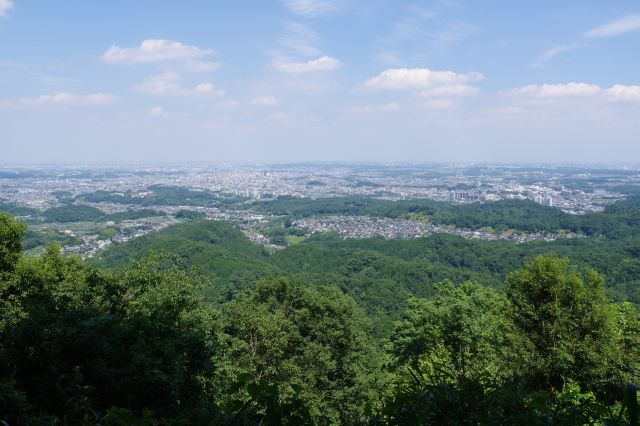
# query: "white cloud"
{"points": [[549, 54], [168, 84], [206, 88], [313, 8], [324, 63], [5, 6], [69, 99], [418, 78], [157, 111], [264, 101], [568, 90], [621, 26], [366, 109], [155, 50], [454, 90], [623, 93], [550, 92]]}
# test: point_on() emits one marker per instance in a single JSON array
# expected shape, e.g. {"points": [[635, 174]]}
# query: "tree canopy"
{"points": [[148, 342]]}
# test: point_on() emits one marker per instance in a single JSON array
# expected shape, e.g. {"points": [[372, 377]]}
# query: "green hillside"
{"points": [[326, 332], [216, 249], [379, 274]]}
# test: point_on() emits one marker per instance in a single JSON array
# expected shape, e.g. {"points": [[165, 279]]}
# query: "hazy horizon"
{"points": [[317, 81]]}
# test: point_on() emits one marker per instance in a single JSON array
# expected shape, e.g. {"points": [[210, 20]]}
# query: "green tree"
{"points": [[11, 233], [78, 341], [451, 353], [310, 345], [567, 319]]}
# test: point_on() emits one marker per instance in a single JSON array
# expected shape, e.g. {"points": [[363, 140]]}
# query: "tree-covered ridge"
{"points": [[67, 213], [379, 274], [143, 344], [617, 221], [216, 250], [82, 213], [161, 195], [16, 210]]}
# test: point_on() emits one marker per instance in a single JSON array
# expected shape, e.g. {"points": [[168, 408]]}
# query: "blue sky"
{"points": [[320, 80]]}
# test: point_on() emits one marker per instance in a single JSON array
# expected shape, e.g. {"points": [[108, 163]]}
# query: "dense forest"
{"points": [[161, 195], [379, 274], [196, 325]]}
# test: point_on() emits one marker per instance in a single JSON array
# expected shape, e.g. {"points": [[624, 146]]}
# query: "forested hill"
{"points": [[379, 274], [215, 249], [306, 336]]}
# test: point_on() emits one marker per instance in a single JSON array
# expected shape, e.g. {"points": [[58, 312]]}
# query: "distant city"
{"points": [[231, 192]]}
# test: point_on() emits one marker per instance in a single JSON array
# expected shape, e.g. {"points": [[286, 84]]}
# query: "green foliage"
{"points": [[130, 215], [455, 356], [11, 233], [108, 232], [160, 195], [190, 215], [282, 235], [82, 213], [310, 346], [33, 239], [463, 332], [216, 249], [73, 213], [568, 322], [143, 344], [16, 210], [379, 274], [77, 341], [553, 351]]}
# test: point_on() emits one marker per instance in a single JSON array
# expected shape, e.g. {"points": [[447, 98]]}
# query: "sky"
{"points": [[268, 81]]}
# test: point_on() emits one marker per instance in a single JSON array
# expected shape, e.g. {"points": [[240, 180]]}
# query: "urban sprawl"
{"points": [[574, 190]]}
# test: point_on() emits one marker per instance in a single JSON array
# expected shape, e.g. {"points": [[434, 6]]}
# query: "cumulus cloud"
{"points": [[366, 109], [418, 78], [5, 6], [313, 8], [620, 92], [168, 84], [571, 90], [620, 26], [616, 93], [160, 50], [264, 101], [69, 99], [321, 64]]}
